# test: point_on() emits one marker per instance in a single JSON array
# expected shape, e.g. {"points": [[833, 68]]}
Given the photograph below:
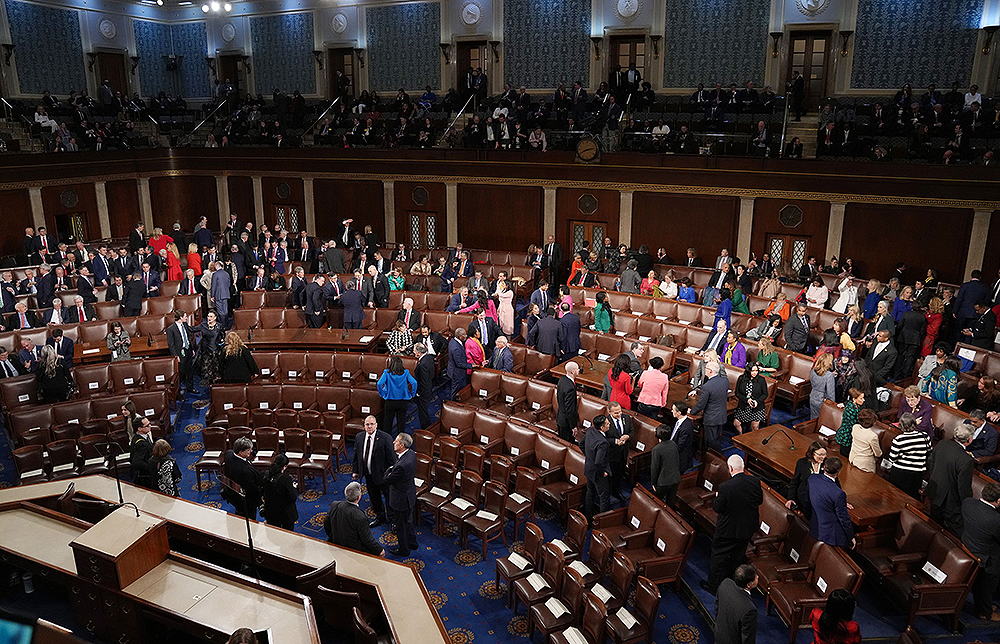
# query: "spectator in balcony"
{"points": [[959, 144], [537, 140], [793, 149], [44, 121]]}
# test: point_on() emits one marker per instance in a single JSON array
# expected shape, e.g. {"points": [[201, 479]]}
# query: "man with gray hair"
{"points": [[347, 526], [568, 417], [503, 359], [712, 399], [950, 482], [373, 455], [737, 503], [403, 494]]}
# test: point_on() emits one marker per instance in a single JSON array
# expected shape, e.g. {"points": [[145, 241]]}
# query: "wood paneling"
{"points": [[876, 238], [183, 199], [991, 261], [241, 199], [815, 224], [404, 204], [123, 206], [678, 222], [363, 201], [269, 191], [86, 205], [501, 217], [568, 209], [15, 212]]}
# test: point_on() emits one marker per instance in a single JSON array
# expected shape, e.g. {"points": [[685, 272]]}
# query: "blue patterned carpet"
{"points": [[462, 586]]}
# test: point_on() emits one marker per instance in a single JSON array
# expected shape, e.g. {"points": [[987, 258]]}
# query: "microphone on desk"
{"points": [[249, 333], [589, 361], [782, 431], [149, 340]]}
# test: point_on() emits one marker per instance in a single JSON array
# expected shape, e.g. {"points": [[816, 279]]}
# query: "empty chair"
{"points": [[295, 450], [561, 611], [93, 454], [462, 506], [285, 418], [62, 459], [593, 626], [521, 502], [647, 602], [516, 566], [539, 586], [442, 490], [365, 634], [214, 439], [266, 439], [489, 520], [30, 464], [320, 450]]}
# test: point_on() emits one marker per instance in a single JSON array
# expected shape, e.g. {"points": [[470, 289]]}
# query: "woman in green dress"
{"points": [[767, 357], [603, 317]]}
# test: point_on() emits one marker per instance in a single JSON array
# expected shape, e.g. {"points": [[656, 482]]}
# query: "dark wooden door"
{"points": [[628, 50], [230, 68], [341, 60], [471, 55], [592, 231], [793, 249], [423, 228], [809, 54], [111, 66], [72, 227]]}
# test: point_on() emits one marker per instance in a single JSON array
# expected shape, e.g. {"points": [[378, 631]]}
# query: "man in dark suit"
{"points": [[102, 267], [830, 522], [190, 285], [458, 364], [968, 295], [797, 330], [567, 416], [712, 400], [142, 454], [334, 260], [664, 468], [881, 356], [737, 503], [116, 291], [136, 238], [21, 318], [984, 436], [132, 297], [46, 286], [735, 612], [354, 304], [433, 341], [408, 316], [402, 494], [555, 254], [63, 346], [909, 337], [460, 300], [540, 296], [257, 281], [45, 244], [315, 303], [984, 327], [9, 366], [80, 311], [547, 334], [380, 288], [347, 526], [8, 293], [424, 375], [28, 356], [503, 359], [181, 343], [982, 538], [124, 264], [682, 433], [306, 255], [373, 455], [596, 467], [620, 430], [584, 278], [237, 467], [85, 285], [151, 279], [950, 481], [570, 322], [489, 332], [345, 234]]}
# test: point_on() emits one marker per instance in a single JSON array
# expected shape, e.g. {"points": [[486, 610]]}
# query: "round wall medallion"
{"points": [[790, 216], [282, 190], [107, 29], [627, 9], [471, 13], [587, 204], [339, 23], [229, 32], [420, 196], [812, 7], [69, 198]]}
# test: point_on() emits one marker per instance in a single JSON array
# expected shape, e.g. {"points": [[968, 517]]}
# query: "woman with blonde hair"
{"points": [[855, 323], [823, 383], [873, 298], [158, 240], [194, 259], [767, 357], [174, 271], [779, 306], [865, 446], [236, 362], [934, 316]]}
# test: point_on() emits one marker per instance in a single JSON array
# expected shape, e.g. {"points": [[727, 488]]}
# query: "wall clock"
{"points": [[471, 13], [339, 23], [107, 29], [587, 151], [626, 9]]}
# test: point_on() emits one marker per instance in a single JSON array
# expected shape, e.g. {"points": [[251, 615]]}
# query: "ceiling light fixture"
{"points": [[204, 8], [227, 7]]}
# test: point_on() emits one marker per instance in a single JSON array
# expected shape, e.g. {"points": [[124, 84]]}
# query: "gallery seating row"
{"points": [[341, 409], [154, 405], [441, 322]]}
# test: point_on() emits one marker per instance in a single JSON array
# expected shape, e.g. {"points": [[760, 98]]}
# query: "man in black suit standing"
{"points": [[555, 254], [347, 526], [737, 503], [373, 455], [797, 330], [983, 329], [142, 454], [136, 238], [567, 417], [315, 303], [618, 435], [547, 334], [180, 341], [682, 433], [735, 612], [132, 297], [950, 480], [712, 400], [596, 467], [380, 288], [881, 357], [982, 538], [489, 331], [425, 383], [237, 466], [402, 494], [571, 325], [797, 87]]}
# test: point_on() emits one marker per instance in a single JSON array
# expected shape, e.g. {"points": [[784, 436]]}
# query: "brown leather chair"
{"points": [[456, 420], [619, 525], [346, 369], [72, 412], [364, 402], [319, 367], [647, 603], [292, 318], [509, 571], [30, 419], [511, 398], [771, 555], [93, 459], [536, 363], [463, 505], [291, 366], [488, 521], [30, 463], [620, 577], [372, 366], [539, 403], [483, 389], [593, 627], [335, 400], [550, 571], [298, 397], [19, 391], [489, 432], [214, 439], [271, 318], [126, 376], [519, 443], [549, 456], [696, 492], [266, 445], [564, 489], [521, 502], [659, 554], [568, 603], [93, 380], [440, 493], [62, 459], [321, 453]]}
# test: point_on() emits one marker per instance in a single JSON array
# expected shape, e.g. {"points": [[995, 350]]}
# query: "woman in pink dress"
{"points": [[506, 310], [474, 351], [564, 298], [483, 304]]}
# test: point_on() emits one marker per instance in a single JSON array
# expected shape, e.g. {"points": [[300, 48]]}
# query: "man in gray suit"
{"points": [[712, 400], [797, 330], [735, 612], [630, 278], [333, 259], [221, 286]]}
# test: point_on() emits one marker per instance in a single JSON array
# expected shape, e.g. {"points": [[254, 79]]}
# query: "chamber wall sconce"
{"points": [[775, 39], [655, 40], [845, 38], [318, 55], [360, 54], [597, 46], [8, 51], [445, 47], [992, 29], [135, 63], [495, 46]]}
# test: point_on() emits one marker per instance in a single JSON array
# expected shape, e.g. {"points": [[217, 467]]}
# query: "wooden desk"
{"points": [[121, 548], [875, 500], [404, 598], [91, 352], [37, 536], [363, 340], [592, 373]]}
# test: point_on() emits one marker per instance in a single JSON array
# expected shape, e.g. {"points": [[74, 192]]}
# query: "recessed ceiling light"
{"points": [[204, 8]]}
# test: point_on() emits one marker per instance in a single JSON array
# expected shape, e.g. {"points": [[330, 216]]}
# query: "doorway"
{"points": [[341, 60], [809, 54], [592, 231], [111, 66], [472, 54], [628, 50], [423, 228], [230, 68], [285, 216], [72, 227], [793, 249]]}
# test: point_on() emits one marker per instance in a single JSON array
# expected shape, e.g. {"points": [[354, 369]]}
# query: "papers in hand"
{"points": [[555, 607], [520, 562], [626, 618], [537, 581]]}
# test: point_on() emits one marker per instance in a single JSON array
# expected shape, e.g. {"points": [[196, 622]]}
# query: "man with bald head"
{"points": [[373, 455], [737, 503]]}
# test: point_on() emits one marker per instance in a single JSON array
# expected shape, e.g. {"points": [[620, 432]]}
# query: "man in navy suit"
{"points": [[570, 323], [547, 334], [373, 455], [151, 279], [830, 521], [46, 286], [682, 433], [102, 266], [503, 359], [354, 304], [982, 538], [63, 346], [597, 467], [970, 294], [712, 400], [458, 364], [424, 374], [984, 437], [8, 293], [402, 494], [459, 300], [541, 296], [21, 318], [85, 285], [28, 355]]}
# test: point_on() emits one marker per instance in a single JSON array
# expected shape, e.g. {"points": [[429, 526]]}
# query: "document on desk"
{"points": [[367, 338]]}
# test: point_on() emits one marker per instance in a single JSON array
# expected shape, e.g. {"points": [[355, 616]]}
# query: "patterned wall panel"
{"points": [[49, 49], [715, 40], [404, 46], [546, 42], [906, 41], [190, 40], [282, 53], [152, 42]]}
